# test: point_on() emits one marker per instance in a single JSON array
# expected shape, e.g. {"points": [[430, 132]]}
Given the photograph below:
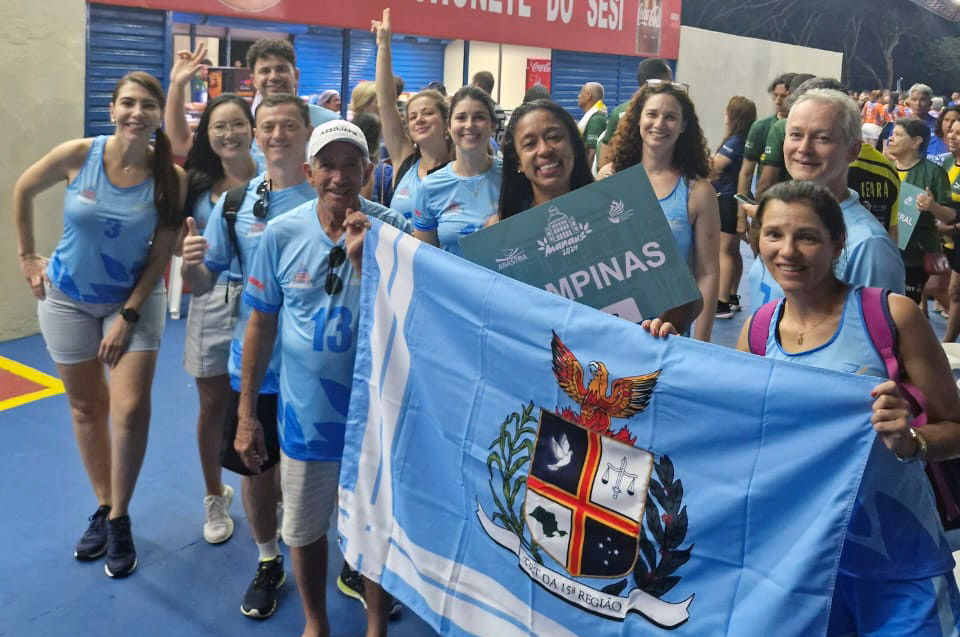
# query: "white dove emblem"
{"points": [[561, 451]]}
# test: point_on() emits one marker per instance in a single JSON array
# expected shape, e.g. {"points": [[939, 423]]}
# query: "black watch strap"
{"points": [[130, 315]]}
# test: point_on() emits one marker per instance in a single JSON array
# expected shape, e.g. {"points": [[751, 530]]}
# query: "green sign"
{"points": [[606, 245], [907, 217]]}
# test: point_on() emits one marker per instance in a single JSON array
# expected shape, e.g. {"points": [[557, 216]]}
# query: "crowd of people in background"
{"points": [[271, 245]]}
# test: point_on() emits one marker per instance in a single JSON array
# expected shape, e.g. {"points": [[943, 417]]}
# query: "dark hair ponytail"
{"points": [[166, 183]]}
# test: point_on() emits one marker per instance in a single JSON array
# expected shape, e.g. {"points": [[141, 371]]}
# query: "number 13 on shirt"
{"points": [[333, 329]]}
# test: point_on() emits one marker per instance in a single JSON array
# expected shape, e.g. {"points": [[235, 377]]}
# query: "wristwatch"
{"points": [[130, 315], [920, 448]]}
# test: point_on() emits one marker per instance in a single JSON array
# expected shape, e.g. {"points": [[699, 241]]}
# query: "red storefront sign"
{"points": [[624, 27], [538, 72]]}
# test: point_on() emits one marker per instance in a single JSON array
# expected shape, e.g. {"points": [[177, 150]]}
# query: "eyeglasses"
{"points": [[260, 205], [221, 129], [334, 283], [680, 86]]}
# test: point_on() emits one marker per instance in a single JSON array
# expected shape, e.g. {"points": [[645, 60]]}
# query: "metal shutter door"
{"points": [[418, 61], [570, 70], [120, 40], [320, 59]]}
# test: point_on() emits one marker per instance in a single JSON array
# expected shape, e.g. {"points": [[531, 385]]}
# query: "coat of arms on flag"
{"points": [[587, 494]]}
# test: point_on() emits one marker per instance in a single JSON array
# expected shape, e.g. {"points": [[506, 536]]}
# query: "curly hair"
{"points": [[690, 154], [516, 192]]}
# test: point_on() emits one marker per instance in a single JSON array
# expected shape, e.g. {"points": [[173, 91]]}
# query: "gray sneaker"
{"points": [[218, 526]]}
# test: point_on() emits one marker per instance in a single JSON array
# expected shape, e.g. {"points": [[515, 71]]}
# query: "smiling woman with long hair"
{"points": [[660, 130], [100, 296], [543, 157]]}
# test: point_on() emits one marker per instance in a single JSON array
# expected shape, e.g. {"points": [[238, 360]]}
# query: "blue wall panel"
{"points": [[320, 59], [120, 40]]}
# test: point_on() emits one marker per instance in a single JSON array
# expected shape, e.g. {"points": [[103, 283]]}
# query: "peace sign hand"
{"points": [[187, 65]]}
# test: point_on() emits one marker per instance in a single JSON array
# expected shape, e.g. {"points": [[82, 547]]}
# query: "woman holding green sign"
{"points": [[660, 130], [923, 254]]}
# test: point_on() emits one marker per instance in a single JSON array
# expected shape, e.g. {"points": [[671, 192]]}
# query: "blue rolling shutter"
{"points": [[320, 59], [628, 77], [363, 58], [570, 70], [120, 40], [418, 61]]}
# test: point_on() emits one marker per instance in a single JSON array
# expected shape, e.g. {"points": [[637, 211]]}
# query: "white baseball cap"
{"points": [[338, 130]]}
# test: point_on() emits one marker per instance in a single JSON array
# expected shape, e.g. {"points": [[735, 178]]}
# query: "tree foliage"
{"points": [[881, 40]]}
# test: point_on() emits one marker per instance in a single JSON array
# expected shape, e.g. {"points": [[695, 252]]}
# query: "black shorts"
{"points": [[916, 277], [953, 256], [267, 415], [728, 213]]}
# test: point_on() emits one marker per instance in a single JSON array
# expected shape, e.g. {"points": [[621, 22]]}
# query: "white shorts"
{"points": [[309, 496], [210, 322], [73, 329]]}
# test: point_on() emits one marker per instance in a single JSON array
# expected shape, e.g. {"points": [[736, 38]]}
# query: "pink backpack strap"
{"points": [[759, 329], [883, 335]]}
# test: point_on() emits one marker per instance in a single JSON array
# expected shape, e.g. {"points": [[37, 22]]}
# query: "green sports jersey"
{"points": [[596, 126], [925, 174], [757, 138], [612, 122], [773, 149]]}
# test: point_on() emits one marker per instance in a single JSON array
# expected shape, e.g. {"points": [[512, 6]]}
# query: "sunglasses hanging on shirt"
{"points": [[260, 205], [337, 257]]}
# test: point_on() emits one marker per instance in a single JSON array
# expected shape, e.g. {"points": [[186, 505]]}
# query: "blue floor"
{"points": [[183, 586]]}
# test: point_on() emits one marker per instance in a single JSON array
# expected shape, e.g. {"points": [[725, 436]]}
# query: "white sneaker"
{"points": [[218, 526]]}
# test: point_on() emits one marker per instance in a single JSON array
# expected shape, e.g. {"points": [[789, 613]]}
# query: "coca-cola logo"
{"points": [[650, 17], [540, 67]]}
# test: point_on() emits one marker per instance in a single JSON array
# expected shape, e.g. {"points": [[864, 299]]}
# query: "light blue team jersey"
{"points": [[456, 206], [318, 331], [222, 255], [674, 208], [894, 531], [106, 234], [318, 115], [202, 208], [407, 190], [869, 257]]}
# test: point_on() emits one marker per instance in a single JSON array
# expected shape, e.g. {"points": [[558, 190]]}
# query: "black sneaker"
{"points": [[350, 583], [121, 554], [93, 544], [723, 310], [734, 302], [260, 600]]}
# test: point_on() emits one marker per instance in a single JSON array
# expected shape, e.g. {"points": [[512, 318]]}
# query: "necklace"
{"points": [[800, 332]]}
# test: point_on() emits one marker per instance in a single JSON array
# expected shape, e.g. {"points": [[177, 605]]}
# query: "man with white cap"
{"points": [[303, 282]]}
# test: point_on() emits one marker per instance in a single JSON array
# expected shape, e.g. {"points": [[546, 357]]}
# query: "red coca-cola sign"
{"points": [[538, 72]]}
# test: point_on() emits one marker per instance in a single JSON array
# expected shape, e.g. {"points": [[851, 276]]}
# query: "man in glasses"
{"points": [[232, 242], [302, 284]]}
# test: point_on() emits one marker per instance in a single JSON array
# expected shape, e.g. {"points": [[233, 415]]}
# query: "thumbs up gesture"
{"points": [[194, 245], [924, 200]]}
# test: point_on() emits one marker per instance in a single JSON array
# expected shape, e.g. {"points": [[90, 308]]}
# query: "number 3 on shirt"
{"points": [[340, 322]]}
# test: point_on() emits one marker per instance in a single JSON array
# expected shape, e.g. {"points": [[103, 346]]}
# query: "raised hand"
{"points": [[381, 28], [187, 65]]}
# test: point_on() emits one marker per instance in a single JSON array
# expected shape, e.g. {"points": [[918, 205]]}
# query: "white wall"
{"points": [[511, 83], [718, 66], [43, 46]]}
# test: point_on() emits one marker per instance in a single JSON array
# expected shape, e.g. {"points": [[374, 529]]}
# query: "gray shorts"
{"points": [[309, 496], [73, 329], [210, 322]]}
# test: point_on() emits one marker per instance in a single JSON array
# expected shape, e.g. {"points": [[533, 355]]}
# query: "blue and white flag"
{"points": [[517, 463]]}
